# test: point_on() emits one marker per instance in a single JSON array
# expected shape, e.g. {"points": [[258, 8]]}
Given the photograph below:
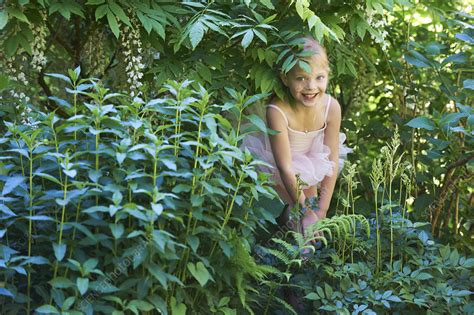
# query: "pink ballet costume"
{"points": [[310, 156]]}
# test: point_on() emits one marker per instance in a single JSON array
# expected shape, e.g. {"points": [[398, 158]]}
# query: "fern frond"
{"points": [[267, 269], [326, 231], [280, 255], [285, 304], [299, 238], [287, 246]]}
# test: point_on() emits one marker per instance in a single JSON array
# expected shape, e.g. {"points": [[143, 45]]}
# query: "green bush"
{"points": [[129, 206]]}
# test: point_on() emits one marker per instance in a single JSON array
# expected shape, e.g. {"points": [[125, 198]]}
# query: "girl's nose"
{"points": [[311, 84]]}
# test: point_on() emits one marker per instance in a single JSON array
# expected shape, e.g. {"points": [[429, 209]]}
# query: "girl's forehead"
{"points": [[317, 62], [316, 68]]}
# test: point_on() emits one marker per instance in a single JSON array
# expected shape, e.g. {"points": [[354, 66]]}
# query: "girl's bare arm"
{"points": [[281, 152], [331, 139]]}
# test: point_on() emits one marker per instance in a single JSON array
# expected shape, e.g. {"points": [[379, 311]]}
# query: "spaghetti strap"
{"points": [[279, 109], [327, 108]]}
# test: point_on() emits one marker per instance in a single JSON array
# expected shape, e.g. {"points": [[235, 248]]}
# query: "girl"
{"points": [[309, 143]]}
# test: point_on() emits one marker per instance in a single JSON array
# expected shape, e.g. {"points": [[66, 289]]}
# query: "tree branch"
{"points": [[69, 50], [460, 162]]}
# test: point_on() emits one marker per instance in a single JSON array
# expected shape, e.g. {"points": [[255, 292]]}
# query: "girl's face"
{"points": [[308, 88]]}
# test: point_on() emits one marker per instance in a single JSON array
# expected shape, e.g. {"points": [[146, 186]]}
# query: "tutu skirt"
{"points": [[312, 166]]}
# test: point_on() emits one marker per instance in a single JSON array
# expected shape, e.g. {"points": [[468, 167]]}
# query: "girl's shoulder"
{"points": [[282, 105], [277, 112], [333, 110]]}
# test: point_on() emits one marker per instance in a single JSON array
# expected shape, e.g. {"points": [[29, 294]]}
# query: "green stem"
{"points": [[186, 252], [74, 230], [378, 231], [229, 210], [61, 225], [30, 229], [391, 216], [75, 113]]}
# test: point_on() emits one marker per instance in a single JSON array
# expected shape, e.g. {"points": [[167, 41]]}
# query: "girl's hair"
{"points": [[310, 44]]}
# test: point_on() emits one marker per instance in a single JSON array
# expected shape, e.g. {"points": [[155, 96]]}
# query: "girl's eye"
{"points": [[300, 78], [320, 77]]}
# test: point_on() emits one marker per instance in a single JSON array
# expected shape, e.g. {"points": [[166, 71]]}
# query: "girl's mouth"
{"points": [[309, 96]]}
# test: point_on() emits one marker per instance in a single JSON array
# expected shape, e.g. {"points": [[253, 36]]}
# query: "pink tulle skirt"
{"points": [[311, 166]]}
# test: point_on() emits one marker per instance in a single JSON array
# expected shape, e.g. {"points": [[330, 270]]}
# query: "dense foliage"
{"points": [[123, 187]]}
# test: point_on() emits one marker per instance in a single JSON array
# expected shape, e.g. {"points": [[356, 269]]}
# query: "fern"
{"points": [[285, 304], [287, 246], [281, 256]]}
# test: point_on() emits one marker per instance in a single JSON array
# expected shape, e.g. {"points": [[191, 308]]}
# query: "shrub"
{"points": [[129, 205]]}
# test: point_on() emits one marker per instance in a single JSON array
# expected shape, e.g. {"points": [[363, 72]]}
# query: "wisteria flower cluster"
{"points": [[38, 46], [132, 50], [94, 56], [16, 75], [378, 23]]}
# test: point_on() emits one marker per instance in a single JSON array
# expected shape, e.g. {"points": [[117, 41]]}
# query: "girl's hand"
{"points": [[310, 218]]}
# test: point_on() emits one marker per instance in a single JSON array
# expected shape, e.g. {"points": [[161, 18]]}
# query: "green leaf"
{"points": [[468, 263], [421, 122], [118, 11], [48, 177], [199, 272], [258, 122], [70, 173], [59, 76], [141, 305], [465, 37], [47, 309], [157, 27], [417, 59], [113, 24], [193, 242], [90, 264], [61, 283], [468, 84], [320, 292], [223, 301], [177, 308], [247, 39], [305, 66], [454, 257], [461, 293], [146, 22], [196, 33], [3, 19], [17, 13], [456, 58], [11, 183], [4, 82], [36, 260], [101, 11], [59, 251], [82, 285], [6, 210], [117, 230], [68, 303], [268, 4], [6, 292], [312, 296], [96, 209], [328, 290], [423, 276], [95, 2]]}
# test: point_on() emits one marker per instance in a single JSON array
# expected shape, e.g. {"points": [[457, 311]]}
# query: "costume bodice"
{"points": [[302, 142]]}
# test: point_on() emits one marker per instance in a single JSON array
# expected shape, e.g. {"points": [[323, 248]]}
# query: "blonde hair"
{"points": [[312, 44]]}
